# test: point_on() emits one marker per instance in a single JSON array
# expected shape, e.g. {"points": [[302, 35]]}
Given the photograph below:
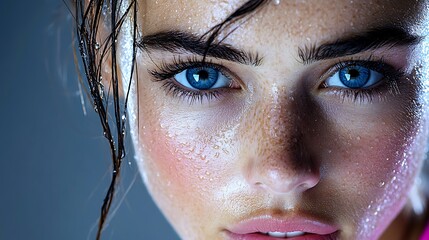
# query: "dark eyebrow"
{"points": [[387, 36], [179, 41]]}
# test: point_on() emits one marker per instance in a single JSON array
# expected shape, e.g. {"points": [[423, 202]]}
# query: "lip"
{"points": [[250, 229]]}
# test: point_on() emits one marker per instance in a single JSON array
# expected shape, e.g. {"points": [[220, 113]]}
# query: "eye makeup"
{"points": [[386, 82], [167, 74]]}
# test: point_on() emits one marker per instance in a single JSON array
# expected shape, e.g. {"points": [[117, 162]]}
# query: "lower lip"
{"points": [[256, 236]]}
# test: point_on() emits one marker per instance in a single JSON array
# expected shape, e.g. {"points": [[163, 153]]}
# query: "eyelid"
{"points": [[379, 66], [389, 85], [167, 70]]}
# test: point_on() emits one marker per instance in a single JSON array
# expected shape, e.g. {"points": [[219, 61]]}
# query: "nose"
{"points": [[278, 176], [277, 155]]}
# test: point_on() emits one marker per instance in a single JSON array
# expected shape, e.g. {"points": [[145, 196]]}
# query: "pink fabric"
{"points": [[425, 235]]}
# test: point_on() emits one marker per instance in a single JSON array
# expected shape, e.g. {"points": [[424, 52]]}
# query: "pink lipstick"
{"points": [[268, 227]]}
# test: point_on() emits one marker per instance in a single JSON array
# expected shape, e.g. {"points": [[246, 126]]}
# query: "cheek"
{"points": [[372, 161], [185, 156]]}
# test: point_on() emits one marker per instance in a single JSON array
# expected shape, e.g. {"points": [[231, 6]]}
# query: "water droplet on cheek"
{"points": [[393, 180], [225, 151]]}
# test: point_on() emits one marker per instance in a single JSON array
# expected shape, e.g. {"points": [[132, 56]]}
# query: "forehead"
{"points": [[291, 17]]}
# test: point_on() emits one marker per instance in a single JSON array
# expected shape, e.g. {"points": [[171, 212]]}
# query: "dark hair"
{"points": [[89, 15]]}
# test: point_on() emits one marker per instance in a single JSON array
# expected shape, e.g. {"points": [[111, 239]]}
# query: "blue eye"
{"points": [[202, 78], [355, 77]]}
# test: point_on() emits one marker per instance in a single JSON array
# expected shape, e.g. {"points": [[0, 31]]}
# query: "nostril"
{"points": [[259, 185], [308, 181], [305, 186], [286, 183]]}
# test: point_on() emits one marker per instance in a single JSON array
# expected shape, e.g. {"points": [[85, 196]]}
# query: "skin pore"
{"points": [[281, 138]]}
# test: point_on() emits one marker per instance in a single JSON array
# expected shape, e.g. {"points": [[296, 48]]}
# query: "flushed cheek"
{"points": [[388, 179], [376, 166], [185, 163]]}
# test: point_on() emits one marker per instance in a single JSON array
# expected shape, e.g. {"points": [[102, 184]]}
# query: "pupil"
{"points": [[353, 73], [203, 74]]}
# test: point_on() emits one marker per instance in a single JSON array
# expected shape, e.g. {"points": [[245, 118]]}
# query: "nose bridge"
{"points": [[280, 115], [279, 161]]}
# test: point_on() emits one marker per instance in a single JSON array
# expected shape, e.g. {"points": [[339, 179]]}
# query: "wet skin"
{"points": [[280, 139]]}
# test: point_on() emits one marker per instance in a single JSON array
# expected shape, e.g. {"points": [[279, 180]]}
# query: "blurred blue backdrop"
{"points": [[55, 162]]}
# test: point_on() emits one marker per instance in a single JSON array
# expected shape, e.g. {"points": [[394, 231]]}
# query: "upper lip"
{"points": [[268, 223]]}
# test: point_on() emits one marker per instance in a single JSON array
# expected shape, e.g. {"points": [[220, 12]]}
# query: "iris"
{"points": [[202, 78], [354, 76]]}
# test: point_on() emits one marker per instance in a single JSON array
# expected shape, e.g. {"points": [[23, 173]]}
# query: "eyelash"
{"points": [[167, 71], [389, 82]]}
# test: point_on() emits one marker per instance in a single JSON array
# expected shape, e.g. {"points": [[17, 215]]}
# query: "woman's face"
{"points": [[308, 117]]}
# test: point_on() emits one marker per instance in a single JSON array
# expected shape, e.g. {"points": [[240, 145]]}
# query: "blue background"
{"points": [[55, 165]]}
